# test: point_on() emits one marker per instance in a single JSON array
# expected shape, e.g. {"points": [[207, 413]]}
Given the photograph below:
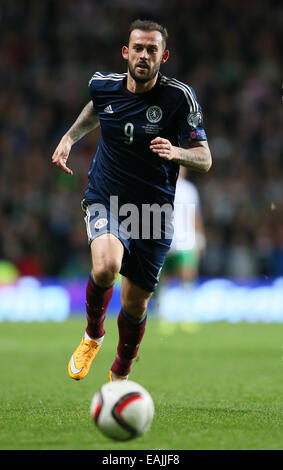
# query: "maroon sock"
{"points": [[97, 301], [130, 335]]}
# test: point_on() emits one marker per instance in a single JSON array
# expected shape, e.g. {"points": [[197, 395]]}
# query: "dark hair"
{"points": [[147, 25]]}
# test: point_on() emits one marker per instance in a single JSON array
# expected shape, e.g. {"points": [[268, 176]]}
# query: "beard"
{"points": [[148, 74]]}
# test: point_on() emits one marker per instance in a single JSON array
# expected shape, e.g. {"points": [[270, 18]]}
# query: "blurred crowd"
{"points": [[228, 50]]}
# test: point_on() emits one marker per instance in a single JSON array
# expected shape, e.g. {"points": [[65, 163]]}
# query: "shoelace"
{"points": [[85, 350]]}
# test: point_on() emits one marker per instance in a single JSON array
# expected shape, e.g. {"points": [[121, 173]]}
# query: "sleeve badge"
{"points": [[195, 119]]}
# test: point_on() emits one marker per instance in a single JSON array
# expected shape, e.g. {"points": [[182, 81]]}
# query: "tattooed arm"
{"points": [[85, 123], [197, 157]]}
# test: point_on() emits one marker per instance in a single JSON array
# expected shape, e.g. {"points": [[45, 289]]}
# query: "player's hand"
{"points": [[61, 154], [163, 148]]}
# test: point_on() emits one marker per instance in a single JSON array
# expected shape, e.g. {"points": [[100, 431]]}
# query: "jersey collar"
{"points": [[139, 95]]}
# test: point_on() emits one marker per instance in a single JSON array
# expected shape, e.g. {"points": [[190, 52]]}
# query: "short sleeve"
{"points": [[92, 86], [190, 119]]}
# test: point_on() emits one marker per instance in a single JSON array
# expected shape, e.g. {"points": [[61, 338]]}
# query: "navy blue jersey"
{"points": [[124, 165]]}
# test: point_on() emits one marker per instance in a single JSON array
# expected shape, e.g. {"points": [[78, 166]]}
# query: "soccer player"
{"points": [[149, 125]]}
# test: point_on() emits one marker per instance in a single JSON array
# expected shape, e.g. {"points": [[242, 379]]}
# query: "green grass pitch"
{"points": [[215, 386]]}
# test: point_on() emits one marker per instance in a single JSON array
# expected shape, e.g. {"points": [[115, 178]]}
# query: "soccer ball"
{"points": [[122, 410]]}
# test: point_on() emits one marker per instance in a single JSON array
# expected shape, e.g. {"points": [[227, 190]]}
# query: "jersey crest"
{"points": [[154, 114]]}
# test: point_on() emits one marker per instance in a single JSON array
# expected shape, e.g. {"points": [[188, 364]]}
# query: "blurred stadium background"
{"points": [[230, 51]]}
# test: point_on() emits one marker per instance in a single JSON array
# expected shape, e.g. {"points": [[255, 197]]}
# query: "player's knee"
{"points": [[106, 272]]}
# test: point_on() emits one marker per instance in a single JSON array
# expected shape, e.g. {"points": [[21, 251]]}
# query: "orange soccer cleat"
{"points": [[82, 358]]}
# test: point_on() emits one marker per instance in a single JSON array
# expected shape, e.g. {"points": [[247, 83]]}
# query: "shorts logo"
{"points": [[154, 114], [194, 119], [100, 223]]}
